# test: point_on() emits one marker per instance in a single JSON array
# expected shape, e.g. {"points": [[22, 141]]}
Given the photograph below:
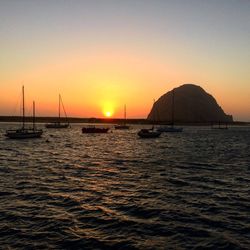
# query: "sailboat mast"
{"points": [[173, 108], [34, 108], [64, 110], [23, 107], [154, 114], [59, 107]]}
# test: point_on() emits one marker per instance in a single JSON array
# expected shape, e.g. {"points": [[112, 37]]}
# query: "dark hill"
{"points": [[190, 103]]}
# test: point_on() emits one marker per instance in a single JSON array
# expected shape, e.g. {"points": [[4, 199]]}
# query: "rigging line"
{"points": [[63, 107]]}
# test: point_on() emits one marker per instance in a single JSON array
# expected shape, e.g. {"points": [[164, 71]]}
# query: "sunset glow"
{"points": [[124, 124], [108, 109], [116, 52], [108, 114]]}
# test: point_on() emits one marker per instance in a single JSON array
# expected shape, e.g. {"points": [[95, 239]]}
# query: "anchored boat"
{"points": [[23, 132]]}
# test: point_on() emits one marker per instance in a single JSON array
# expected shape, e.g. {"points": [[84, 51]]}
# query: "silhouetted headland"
{"points": [[191, 104]]}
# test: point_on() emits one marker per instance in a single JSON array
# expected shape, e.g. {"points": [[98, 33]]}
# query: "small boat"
{"points": [[170, 128], [59, 124], [148, 133], [123, 126], [23, 132], [93, 129]]}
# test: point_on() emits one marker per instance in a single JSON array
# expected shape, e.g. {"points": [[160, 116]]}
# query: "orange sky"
{"points": [[102, 57]]}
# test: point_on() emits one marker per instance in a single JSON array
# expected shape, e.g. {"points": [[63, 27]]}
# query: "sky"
{"points": [[102, 54]]}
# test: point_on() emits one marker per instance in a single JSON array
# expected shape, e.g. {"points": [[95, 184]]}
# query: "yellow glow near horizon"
{"points": [[111, 80], [108, 109], [122, 61], [108, 114]]}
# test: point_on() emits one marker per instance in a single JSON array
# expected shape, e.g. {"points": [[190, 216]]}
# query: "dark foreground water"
{"points": [[187, 190]]}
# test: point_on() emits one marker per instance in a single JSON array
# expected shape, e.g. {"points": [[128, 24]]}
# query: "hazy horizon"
{"points": [[100, 55]]}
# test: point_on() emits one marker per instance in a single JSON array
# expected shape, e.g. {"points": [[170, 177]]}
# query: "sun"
{"points": [[108, 109], [108, 114]]}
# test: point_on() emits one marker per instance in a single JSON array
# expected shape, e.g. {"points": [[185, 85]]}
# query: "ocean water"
{"points": [[70, 190]]}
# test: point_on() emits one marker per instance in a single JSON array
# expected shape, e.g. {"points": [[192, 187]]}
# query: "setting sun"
{"points": [[108, 114], [108, 108]]}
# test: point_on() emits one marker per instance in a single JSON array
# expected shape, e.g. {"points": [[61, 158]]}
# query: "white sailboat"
{"points": [[23, 132], [59, 124]]}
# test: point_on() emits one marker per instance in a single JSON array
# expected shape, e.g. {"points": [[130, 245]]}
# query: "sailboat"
{"points": [[123, 126], [94, 130], [59, 124], [23, 132], [149, 133], [170, 128]]}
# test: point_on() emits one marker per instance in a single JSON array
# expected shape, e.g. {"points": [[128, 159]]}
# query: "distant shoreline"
{"points": [[112, 121]]}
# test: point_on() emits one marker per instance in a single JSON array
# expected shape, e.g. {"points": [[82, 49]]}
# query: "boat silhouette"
{"points": [[149, 133], [171, 127], [124, 125], [24, 132], [94, 129], [59, 124]]}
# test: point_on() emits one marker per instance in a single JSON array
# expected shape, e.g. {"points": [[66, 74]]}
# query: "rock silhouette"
{"points": [[188, 103]]}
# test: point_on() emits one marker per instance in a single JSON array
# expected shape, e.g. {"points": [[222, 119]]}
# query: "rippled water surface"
{"points": [[70, 190]]}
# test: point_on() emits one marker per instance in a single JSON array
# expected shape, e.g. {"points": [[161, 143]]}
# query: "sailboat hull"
{"points": [[57, 125], [169, 129], [148, 133], [121, 127], [23, 133], [91, 130]]}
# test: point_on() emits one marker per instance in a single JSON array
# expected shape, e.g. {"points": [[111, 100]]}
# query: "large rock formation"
{"points": [[188, 103]]}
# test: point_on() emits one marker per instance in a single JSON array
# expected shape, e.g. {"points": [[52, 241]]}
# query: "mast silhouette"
{"points": [[24, 133], [23, 108], [172, 108], [33, 118], [59, 107], [58, 123], [123, 124], [171, 127]]}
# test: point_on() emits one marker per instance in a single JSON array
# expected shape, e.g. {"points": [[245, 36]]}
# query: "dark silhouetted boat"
{"points": [[23, 132], [93, 129], [124, 125], [149, 133], [59, 124], [171, 127]]}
